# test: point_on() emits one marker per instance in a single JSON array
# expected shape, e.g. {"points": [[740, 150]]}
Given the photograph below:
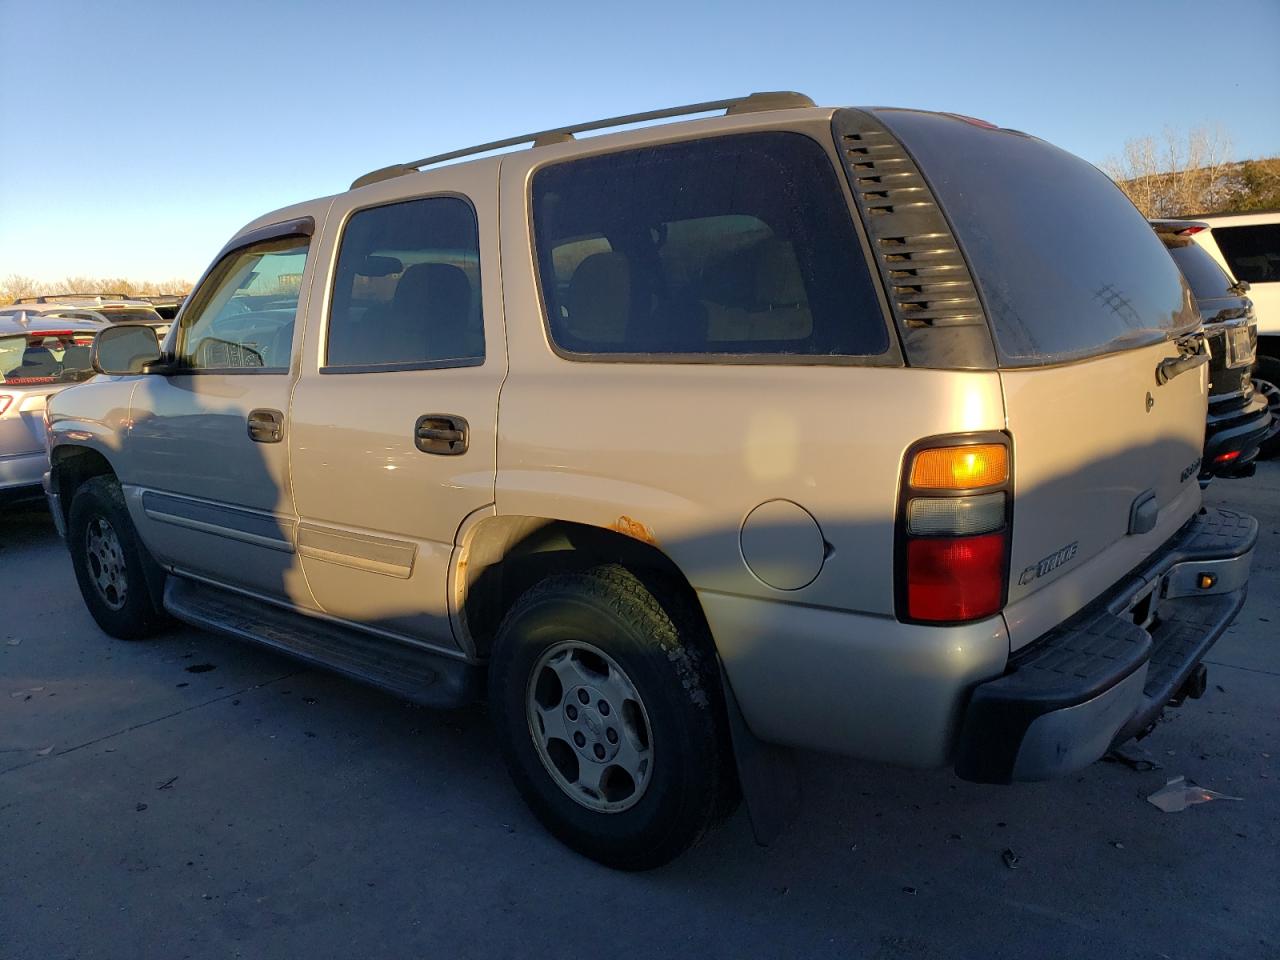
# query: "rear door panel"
{"points": [[1089, 439]]}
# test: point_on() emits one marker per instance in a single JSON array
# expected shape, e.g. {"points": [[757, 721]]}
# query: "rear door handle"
{"points": [[266, 426], [1193, 351], [441, 433], [1173, 366]]}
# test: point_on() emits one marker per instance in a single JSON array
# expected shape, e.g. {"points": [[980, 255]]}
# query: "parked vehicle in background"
{"points": [[167, 306], [38, 358], [1239, 419], [873, 431], [1248, 246], [91, 307]]}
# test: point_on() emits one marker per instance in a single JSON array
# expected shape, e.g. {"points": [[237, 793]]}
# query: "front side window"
{"points": [[406, 289], [244, 313], [731, 246], [1252, 251]]}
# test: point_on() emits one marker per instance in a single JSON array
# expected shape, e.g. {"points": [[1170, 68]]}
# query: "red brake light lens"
{"points": [[955, 578]]}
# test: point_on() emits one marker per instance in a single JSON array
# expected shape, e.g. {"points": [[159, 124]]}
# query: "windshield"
{"points": [[58, 357]]}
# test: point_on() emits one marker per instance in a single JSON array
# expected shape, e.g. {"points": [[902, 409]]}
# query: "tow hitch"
{"points": [[1193, 688]]}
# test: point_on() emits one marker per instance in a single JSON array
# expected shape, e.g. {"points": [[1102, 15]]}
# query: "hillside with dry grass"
{"points": [[1186, 176]]}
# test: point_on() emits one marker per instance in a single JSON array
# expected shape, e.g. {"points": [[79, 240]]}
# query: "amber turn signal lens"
{"points": [[960, 468]]}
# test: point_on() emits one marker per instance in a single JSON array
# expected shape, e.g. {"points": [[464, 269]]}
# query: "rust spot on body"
{"points": [[634, 529]]}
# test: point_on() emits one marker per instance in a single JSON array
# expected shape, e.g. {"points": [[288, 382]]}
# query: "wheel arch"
{"points": [[70, 465], [503, 556]]}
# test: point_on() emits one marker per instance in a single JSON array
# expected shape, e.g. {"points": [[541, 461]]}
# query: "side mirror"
{"points": [[125, 348]]}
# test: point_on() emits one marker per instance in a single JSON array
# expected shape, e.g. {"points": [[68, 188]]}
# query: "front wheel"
{"points": [[609, 713], [110, 561]]}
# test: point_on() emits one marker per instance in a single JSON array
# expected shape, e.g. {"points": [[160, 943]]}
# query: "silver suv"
{"points": [[873, 431]]}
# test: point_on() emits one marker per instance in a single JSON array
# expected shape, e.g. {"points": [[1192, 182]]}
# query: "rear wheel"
{"points": [[1266, 381], [110, 562], [609, 713]]}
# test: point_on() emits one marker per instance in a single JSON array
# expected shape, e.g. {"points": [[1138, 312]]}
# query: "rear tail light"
{"points": [[1227, 457], [1191, 231], [954, 529], [5, 400], [960, 468]]}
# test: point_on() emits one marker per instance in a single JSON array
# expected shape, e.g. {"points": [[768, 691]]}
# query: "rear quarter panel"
{"points": [[680, 454]]}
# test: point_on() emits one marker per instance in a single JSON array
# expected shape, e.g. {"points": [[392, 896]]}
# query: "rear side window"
{"points": [[1066, 266], [737, 245], [1253, 252], [1208, 280], [407, 289]]}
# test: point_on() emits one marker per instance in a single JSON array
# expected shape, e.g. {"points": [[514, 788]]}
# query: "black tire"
{"points": [[96, 502], [667, 658], [1266, 379]]}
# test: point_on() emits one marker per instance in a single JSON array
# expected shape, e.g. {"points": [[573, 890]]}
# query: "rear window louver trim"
{"points": [[926, 277]]}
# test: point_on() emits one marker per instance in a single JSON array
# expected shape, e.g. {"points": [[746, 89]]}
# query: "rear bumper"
{"points": [[1105, 675], [1239, 431], [23, 471]]}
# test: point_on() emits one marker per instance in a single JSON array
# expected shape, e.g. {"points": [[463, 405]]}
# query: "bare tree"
{"points": [[1178, 175], [14, 286]]}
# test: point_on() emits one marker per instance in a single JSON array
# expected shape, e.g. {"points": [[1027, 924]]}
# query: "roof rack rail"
{"points": [[753, 103], [55, 297]]}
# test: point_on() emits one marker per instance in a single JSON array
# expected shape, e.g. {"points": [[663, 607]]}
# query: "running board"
{"points": [[414, 674]]}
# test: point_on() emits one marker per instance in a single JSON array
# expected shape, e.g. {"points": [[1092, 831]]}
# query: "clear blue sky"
{"points": [[138, 135]]}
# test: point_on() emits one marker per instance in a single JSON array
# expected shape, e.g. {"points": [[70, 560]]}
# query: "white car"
{"points": [[1247, 245]]}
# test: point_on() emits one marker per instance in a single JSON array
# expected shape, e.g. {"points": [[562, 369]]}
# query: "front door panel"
{"points": [[208, 499], [206, 460]]}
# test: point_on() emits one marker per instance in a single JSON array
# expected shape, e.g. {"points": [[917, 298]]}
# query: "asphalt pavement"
{"points": [[193, 796]]}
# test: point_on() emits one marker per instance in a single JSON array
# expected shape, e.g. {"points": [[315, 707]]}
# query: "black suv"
{"points": [[1239, 419]]}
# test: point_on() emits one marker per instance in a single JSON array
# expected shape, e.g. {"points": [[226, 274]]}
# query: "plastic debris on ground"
{"points": [[1179, 793]]}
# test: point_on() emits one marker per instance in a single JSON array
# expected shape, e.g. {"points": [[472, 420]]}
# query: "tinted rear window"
{"points": [[1208, 280], [736, 245], [46, 358], [130, 315], [1066, 266], [1253, 252]]}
